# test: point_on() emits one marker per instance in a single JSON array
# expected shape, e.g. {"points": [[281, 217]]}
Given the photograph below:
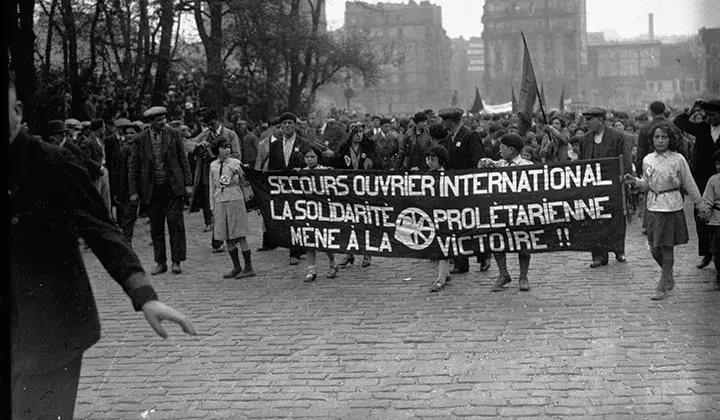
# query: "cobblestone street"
{"points": [[375, 344]]}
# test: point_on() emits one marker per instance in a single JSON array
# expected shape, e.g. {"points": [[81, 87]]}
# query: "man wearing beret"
{"points": [[53, 316], [707, 141], [465, 149], [160, 178], [286, 154], [605, 142], [411, 154], [94, 146]]}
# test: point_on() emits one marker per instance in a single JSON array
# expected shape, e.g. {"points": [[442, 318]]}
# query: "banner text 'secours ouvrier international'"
{"points": [[576, 206]]}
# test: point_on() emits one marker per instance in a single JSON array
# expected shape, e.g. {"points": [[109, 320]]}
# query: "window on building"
{"points": [[651, 86], [715, 50]]}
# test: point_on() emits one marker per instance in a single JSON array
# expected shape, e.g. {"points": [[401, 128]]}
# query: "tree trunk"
{"points": [[22, 49], [213, 43], [48, 41], [167, 19]]}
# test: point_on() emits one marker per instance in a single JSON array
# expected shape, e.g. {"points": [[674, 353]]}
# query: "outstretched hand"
{"points": [[156, 312], [628, 179]]}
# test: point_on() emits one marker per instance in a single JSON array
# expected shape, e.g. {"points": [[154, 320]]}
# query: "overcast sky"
{"points": [[626, 18]]}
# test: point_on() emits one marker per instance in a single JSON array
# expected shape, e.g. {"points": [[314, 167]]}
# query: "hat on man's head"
{"points": [[97, 124], [376, 117], [241, 122], [288, 116], [453, 113], [419, 117], [512, 140], [155, 111], [55, 126], [85, 124], [384, 121], [595, 112], [429, 112], [122, 122], [73, 124], [209, 116], [711, 105], [657, 107], [175, 123]]}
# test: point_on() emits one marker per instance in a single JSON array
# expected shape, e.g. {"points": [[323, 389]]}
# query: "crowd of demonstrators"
{"points": [[153, 166]]}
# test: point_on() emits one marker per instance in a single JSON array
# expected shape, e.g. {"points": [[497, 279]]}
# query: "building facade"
{"points": [[710, 60], [556, 33], [414, 30]]}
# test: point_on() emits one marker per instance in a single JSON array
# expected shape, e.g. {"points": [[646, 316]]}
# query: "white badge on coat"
{"points": [[348, 161], [457, 144]]}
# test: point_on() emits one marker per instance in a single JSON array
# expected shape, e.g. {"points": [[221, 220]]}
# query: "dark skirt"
{"points": [[667, 229]]}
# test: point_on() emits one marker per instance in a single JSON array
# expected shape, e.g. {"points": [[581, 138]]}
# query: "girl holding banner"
{"points": [[665, 175], [356, 152], [311, 154]]}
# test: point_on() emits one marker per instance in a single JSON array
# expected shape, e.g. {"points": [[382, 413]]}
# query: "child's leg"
{"points": [[524, 261], [248, 271], [443, 269], [310, 255], [657, 255], [235, 257]]}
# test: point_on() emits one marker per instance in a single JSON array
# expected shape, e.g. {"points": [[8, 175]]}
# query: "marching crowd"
{"points": [[158, 168], [84, 179]]}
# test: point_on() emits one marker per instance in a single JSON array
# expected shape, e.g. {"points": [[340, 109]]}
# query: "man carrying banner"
{"points": [[465, 149], [604, 142], [510, 146], [284, 155]]}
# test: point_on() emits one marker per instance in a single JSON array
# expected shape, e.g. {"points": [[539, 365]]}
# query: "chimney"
{"points": [[651, 27]]}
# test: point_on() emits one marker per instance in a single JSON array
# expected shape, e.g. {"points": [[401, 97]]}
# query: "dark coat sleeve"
{"points": [[134, 166], [476, 148], [93, 168], [82, 207]]}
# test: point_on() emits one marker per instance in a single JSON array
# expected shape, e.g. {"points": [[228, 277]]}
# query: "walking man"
{"points": [[160, 178]]}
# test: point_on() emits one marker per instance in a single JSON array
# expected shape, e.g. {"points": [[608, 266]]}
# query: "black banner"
{"points": [[576, 206]]}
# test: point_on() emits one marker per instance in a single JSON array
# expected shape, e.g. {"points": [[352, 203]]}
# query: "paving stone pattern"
{"points": [[375, 344]]}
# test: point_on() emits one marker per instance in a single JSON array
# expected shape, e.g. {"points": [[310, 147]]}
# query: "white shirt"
{"points": [[287, 148], [663, 176], [715, 132], [599, 136]]}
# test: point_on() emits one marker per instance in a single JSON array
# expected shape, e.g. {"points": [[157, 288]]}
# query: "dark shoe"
{"points": [[176, 268], [438, 285], [161, 268], [659, 295], [235, 271], [620, 257], [705, 261], [458, 271], [332, 273], [294, 261], [485, 266], [246, 273], [500, 283], [524, 285], [310, 277], [208, 228], [597, 263], [366, 262], [346, 261]]}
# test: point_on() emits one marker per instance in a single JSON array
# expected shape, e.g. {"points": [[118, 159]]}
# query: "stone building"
{"points": [[556, 33], [415, 30], [710, 59]]}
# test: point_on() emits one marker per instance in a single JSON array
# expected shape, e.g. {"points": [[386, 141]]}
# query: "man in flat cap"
{"points": [[121, 146], [74, 128], [286, 154], [160, 178], [602, 141], [465, 149], [386, 144], [411, 153], [94, 146], [706, 130]]}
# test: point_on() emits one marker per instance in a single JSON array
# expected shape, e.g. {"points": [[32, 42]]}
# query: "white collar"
{"points": [[219, 129]]}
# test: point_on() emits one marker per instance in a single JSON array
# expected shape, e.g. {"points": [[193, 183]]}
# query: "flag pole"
{"points": [[537, 89]]}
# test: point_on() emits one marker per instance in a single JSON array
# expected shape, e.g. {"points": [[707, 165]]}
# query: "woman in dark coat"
{"points": [[356, 152]]}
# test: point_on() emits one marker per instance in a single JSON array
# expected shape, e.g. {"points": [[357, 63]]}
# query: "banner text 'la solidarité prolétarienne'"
{"points": [[573, 206]]}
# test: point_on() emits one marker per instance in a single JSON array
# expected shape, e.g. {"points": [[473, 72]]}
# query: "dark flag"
{"points": [[528, 90], [478, 104], [513, 99], [562, 99]]}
